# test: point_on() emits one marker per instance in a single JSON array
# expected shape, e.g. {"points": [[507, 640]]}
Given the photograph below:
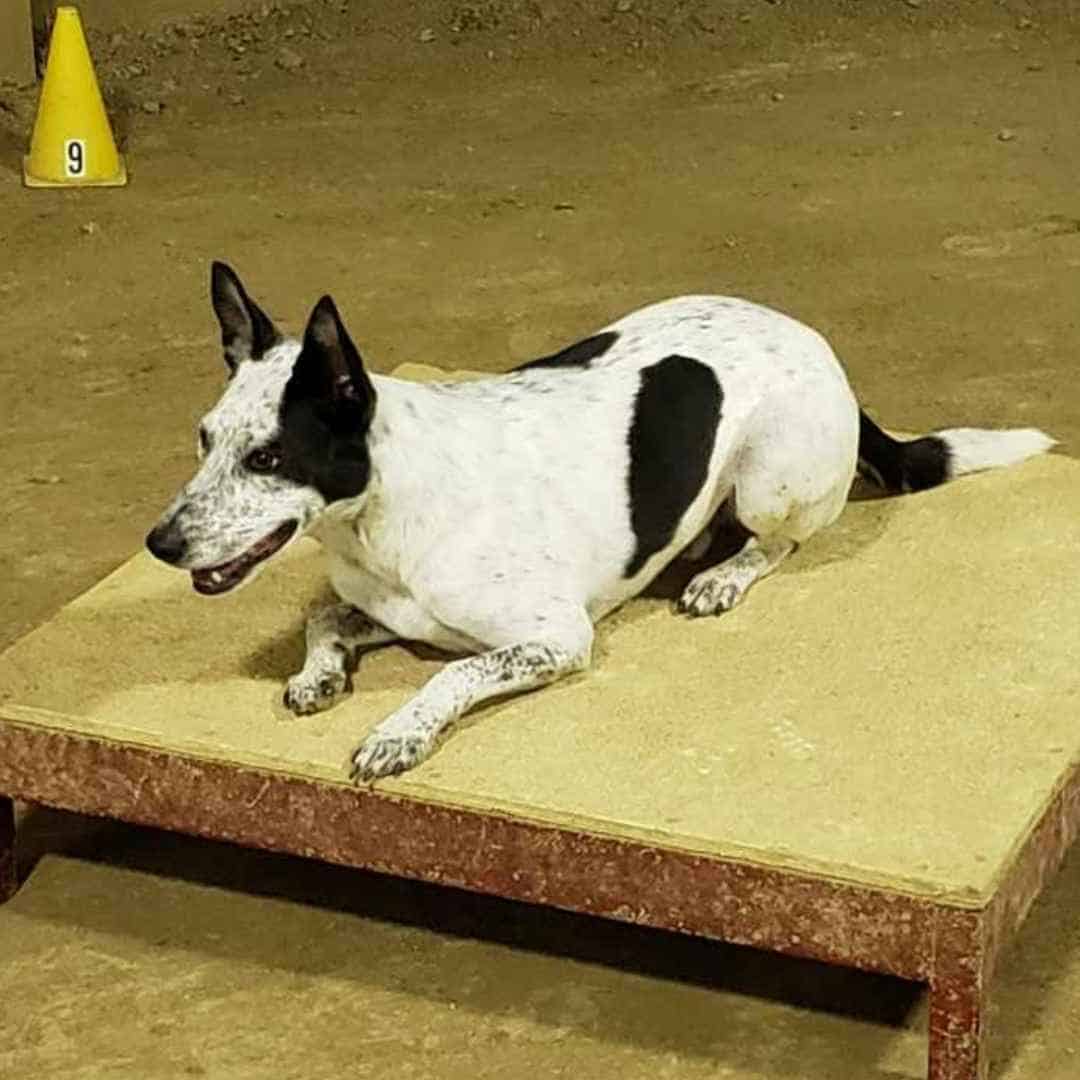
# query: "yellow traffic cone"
{"points": [[72, 144]]}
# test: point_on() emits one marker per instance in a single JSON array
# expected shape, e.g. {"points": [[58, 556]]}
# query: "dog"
{"points": [[500, 519]]}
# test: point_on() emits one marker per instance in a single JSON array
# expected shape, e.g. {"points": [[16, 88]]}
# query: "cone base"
{"points": [[119, 179]]}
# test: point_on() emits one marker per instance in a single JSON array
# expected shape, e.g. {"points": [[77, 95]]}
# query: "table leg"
{"points": [[8, 880], [959, 1004]]}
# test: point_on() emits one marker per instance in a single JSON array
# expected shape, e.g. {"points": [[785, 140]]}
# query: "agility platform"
{"points": [[874, 761]]}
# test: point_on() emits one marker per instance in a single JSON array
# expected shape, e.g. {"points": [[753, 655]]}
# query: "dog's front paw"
{"points": [[388, 755], [310, 692], [397, 744]]}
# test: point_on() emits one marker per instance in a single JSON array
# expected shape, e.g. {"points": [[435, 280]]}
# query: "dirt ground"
{"points": [[477, 183]]}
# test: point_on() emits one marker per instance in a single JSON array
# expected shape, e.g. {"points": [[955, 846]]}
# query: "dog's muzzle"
{"points": [[166, 541]]}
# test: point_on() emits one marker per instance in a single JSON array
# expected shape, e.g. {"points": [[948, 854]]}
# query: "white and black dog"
{"points": [[502, 518]]}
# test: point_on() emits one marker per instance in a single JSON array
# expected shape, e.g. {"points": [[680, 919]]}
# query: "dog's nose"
{"points": [[166, 543]]}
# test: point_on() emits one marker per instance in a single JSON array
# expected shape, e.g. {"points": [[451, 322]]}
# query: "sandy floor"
{"points": [[905, 180]]}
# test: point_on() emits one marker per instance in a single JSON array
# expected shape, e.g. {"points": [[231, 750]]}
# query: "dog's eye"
{"points": [[263, 460], [204, 440]]}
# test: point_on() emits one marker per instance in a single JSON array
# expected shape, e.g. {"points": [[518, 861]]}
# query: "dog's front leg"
{"points": [[409, 736], [335, 635]]}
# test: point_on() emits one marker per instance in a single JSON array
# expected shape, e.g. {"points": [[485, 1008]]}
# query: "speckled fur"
{"points": [[225, 507], [497, 523]]}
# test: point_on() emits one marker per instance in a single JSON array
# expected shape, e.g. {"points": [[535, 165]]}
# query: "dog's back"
{"points": [[590, 470]]}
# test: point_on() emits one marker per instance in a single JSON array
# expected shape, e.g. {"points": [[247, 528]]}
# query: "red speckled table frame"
{"points": [[953, 949]]}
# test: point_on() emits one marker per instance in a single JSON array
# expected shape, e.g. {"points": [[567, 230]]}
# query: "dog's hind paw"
{"points": [[709, 595], [386, 755], [306, 693]]}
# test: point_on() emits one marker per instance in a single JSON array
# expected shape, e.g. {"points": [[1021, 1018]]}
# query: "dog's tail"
{"points": [[916, 464]]}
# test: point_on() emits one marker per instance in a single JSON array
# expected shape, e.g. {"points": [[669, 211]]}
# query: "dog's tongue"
{"points": [[226, 576]]}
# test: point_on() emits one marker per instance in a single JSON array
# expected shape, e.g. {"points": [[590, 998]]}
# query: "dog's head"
{"points": [[287, 438]]}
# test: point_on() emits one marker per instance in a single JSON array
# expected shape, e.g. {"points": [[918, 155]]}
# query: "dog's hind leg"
{"points": [[409, 736], [776, 517], [792, 480], [335, 636], [721, 587]]}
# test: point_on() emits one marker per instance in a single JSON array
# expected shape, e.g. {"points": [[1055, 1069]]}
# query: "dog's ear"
{"points": [[330, 370], [246, 331]]}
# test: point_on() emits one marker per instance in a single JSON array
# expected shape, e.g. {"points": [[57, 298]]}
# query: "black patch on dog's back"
{"points": [[676, 414], [579, 355]]}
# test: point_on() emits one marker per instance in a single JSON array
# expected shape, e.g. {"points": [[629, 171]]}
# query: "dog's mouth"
{"points": [[220, 579]]}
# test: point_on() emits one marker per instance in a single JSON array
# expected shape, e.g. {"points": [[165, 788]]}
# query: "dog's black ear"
{"points": [[329, 368], [246, 331]]}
